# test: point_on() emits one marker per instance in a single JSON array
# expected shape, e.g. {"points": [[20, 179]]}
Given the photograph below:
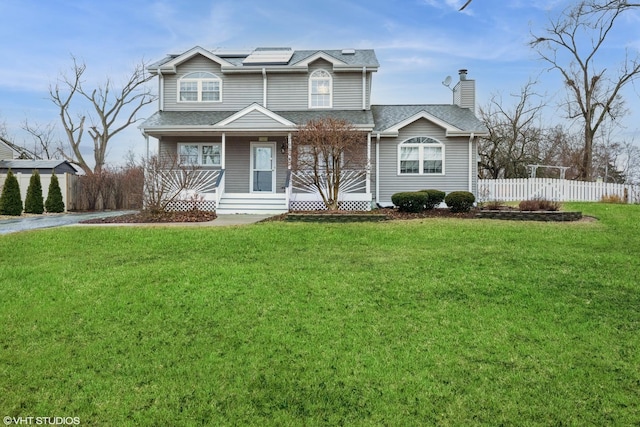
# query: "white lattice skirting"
{"points": [[188, 205], [318, 205]]}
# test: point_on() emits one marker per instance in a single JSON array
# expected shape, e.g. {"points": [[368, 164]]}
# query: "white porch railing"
{"points": [[562, 190], [351, 181], [204, 187], [353, 194]]}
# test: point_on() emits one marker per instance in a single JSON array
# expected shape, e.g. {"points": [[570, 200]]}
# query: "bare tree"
{"points": [[514, 134], [593, 93], [3, 129], [329, 156], [44, 138], [111, 110]]}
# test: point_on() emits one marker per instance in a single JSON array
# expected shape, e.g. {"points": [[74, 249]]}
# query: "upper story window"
{"points": [[200, 87], [320, 89], [204, 154], [421, 155]]}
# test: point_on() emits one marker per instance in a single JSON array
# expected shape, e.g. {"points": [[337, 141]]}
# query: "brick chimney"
{"points": [[464, 93]]}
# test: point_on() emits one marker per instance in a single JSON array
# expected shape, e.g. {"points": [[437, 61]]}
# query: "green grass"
{"points": [[425, 322]]}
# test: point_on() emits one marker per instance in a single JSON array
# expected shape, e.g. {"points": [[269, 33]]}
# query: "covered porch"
{"points": [[243, 163], [251, 173]]}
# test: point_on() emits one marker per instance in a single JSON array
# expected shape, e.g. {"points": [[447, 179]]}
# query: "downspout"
{"points": [[378, 168], [264, 87], [471, 138], [364, 88], [368, 182], [161, 89]]}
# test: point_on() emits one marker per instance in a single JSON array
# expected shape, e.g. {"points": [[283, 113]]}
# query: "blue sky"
{"points": [[418, 43]]}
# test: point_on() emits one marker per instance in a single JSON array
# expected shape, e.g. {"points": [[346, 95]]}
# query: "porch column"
{"points": [[223, 151], [289, 147], [368, 183]]}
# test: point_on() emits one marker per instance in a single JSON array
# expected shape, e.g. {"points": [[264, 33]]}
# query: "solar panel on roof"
{"points": [[271, 57]]}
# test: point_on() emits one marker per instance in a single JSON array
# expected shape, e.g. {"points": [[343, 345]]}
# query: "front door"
{"points": [[263, 167]]}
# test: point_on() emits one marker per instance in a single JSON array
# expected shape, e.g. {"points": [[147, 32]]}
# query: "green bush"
{"points": [[54, 201], [10, 201], [460, 201], [410, 201], [34, 203], [434, 198]]}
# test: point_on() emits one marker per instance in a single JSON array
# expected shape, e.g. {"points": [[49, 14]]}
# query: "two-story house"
{"points": [[234, 115]]}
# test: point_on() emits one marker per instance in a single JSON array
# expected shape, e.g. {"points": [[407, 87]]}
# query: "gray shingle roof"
{"points": [[42, 165], [380, 117], [360, 58], [387, 116], [164, 119], [185, 118]]}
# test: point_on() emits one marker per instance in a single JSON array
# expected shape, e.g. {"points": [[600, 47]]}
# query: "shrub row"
{"points": [[11, 201], [418, 201]]}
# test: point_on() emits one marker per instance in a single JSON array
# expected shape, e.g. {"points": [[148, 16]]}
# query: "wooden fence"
{"points": [[66, 181], [562, 190]]}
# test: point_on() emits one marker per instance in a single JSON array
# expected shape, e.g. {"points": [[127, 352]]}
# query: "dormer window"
{"points": [[320, 89], [421, 155], [200, 87]]}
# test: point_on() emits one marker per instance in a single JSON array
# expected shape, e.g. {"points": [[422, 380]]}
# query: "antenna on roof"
{"points": [[447, 82]]}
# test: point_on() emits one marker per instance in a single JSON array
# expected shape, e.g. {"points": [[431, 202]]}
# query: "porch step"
{"points": [[252, 203]]}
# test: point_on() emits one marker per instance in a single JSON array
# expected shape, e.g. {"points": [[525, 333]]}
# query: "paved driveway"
{"points": [[58, 220], [47, 221]]}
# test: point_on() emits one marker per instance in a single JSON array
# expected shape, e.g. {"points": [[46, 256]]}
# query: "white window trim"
{"points": [[421, 146], [312, 78], [200, 145], [199, 81]]}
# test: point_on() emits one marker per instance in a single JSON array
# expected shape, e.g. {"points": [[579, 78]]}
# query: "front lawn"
{"points": [[423, 322]]}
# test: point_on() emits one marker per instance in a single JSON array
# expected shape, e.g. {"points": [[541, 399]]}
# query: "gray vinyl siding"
{"points": [[464, 94], [238, 90], [168, 146], [5, 152], [287, 91], [256, 120], [238, 164], [456, 175]]}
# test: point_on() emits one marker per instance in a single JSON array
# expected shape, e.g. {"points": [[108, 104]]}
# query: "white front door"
{"points": [[263, 167]]}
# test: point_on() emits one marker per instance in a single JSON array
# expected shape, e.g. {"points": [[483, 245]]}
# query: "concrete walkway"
{"points": [[72, 219]]}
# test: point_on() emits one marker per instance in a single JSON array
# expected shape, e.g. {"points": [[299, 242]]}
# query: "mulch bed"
{"points": [[155, 218], [201, 216]]}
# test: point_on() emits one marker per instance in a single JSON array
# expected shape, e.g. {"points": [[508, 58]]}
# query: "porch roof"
{"points": [[201, 120]]}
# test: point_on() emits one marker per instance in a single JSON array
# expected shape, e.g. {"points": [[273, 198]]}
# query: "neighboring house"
{"points": [[44, 167], [10, 151], [234, 114]]}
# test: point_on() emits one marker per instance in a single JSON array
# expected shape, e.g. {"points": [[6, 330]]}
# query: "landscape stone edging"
{"points": [[301, 217], [530, 215]]}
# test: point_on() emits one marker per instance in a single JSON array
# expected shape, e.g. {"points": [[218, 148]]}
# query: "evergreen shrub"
{"points": [[54, 201], [10, 200], [410, 201], [34, 203], [434, 198], [460, 201]]}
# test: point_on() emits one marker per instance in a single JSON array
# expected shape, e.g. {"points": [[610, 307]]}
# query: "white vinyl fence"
{"points": [[562, 190], [64, 179]]}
